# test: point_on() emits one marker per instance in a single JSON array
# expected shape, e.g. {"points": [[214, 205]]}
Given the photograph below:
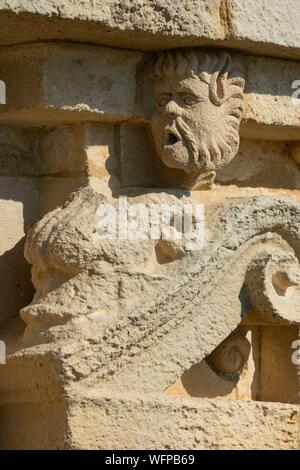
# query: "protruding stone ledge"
{"points": [[267, 27], [50, 84], [270, 110], [131, 416], [135, 24]]}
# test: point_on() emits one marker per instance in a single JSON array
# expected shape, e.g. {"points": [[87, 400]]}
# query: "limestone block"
{"points": [[18, 211], [93, 421], [258, 163], [77, 149], [261, 163], [62, 151], [295, 151], [275, 377], [264, 373], [50, 85], [270, 25], [85, 152], [54, 190], [18, 152], [89, 330], [130, 24], [33, 425], [270, 112], [52, 80], [181, 424], [137, 157], [128, 332], [100, 152]]}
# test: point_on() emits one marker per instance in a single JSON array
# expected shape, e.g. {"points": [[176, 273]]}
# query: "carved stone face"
{"points": [[198, 109], [183, 119]]}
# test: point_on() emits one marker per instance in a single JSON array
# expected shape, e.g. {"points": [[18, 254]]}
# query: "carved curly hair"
{"points": [[226, 88], [212, 68]]}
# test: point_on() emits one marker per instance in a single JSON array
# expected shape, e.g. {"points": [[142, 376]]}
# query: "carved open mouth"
{"points": [[171, 137]]}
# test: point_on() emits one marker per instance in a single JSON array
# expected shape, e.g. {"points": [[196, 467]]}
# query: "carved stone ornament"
{"points": [[140, 341], [199, 106]]}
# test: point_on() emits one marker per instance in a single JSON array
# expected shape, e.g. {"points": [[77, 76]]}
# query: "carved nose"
{"points": [[172, 108]]}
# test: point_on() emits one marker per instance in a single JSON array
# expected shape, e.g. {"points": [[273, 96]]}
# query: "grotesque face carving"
{"points": [[198, 109]]}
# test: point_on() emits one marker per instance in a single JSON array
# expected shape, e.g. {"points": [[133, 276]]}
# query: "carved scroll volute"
{"points": [[272, 287], [231, 355]]}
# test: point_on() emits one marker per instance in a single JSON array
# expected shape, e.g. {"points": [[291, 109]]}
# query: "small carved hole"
{"points": [[281, 283], [171, 139]]}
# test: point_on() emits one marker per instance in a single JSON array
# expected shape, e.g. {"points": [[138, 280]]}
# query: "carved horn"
{"points": [[218, 82]]}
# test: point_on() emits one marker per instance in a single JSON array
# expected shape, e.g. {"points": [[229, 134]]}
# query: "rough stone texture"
{"points": [[39, 91], [269, 109], [197, 115], [18, 152], [52, 80], [266, 23], [129, 24], [262, 164], [36, 425], [258, 163], [138, 350], [72, 269], [269, 27], [132, 341], [19, 210], [82, 150], [96, 422], [207, 424], [275, 353]]}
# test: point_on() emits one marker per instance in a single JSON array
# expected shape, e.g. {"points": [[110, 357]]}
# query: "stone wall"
{"points": [[169, 103]]}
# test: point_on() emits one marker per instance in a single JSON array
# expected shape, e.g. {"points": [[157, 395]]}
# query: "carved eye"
{"points": [[190, 100], [163, 101]]}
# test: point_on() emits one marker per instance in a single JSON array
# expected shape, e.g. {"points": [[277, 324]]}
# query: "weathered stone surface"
{"points": [[39, 90], [54, 190], [258, 163], [18, 152], [231, 370], [138, 329], [295, 152], [71, 270], [54, 80], [268, 25], [18, 211], [270, 111], [130, 24], [198, 109], [266, 28], [261, 164], [97, 422], [86, 149], [142, 349], [276, 354], [209, 424]]}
